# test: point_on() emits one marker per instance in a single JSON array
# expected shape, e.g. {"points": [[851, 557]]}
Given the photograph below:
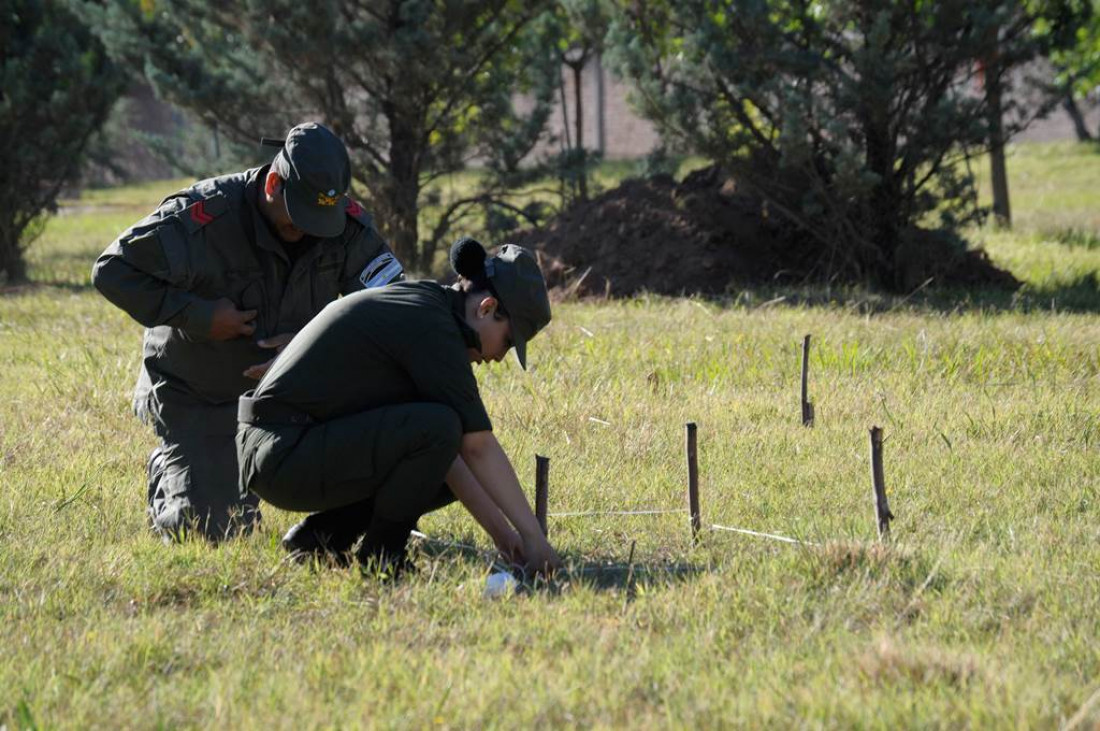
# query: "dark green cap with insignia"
{"points": [[315, 165], [518, 282]]}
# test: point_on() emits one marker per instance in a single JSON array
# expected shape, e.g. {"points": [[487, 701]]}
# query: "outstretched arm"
{"points": [[474, 498], [490, 465]]}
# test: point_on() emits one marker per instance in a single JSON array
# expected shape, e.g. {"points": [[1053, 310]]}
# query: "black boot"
{"points": [[330, 534], [384, 550]]}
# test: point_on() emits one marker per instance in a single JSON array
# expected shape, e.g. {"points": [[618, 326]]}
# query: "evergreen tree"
{"points": [[850, 118], [56, 89], [1077, 66], [415, 88], [582, 27]]}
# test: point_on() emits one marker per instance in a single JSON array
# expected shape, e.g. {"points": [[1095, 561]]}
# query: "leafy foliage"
{"points": [[56, 89], [582, 27], [1077, 62], [850, 118], [416, 88]]}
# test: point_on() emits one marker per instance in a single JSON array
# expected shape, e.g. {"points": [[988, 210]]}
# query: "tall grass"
{"points": [[984, 611]]}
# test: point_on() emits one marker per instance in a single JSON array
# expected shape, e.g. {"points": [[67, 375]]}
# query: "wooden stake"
{"points": [[542, 490], [693, 482], [883, 516], [807, 407], [630, 592]]}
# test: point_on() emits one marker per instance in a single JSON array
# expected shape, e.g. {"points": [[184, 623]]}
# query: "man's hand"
{"points": [[229, 322], [276, 343]]}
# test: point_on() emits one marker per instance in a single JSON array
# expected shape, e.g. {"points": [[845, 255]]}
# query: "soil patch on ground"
{"points": [[705, 236]]}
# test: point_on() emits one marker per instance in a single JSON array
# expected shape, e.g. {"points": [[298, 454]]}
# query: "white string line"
{"points": [[615, 512], [616, 567], [744, 531], [772, 536]]}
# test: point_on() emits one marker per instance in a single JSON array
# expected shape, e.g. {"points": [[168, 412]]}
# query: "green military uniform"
{"points": [[363, 414], [207, 242], [366, 408]]}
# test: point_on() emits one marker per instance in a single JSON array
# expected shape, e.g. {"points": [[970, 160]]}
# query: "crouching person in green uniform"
{"points": [[371, 417], [222, 275]]}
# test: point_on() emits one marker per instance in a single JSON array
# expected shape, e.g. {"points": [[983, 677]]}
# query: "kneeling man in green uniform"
{"points": [[222, 275], [372, 417]]}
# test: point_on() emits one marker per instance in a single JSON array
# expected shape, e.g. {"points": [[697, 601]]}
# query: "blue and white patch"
{"points": [[383, 270]]}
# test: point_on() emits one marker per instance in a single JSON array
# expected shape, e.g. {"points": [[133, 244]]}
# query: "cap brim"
{"points": [[321, 221], [520, 344]]}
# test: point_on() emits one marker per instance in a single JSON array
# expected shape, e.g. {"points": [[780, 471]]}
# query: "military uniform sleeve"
{"points": [[146, 272], [370, 262], [438, 365]]}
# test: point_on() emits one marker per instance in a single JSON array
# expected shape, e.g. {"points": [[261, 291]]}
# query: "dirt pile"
{"points": [[703, 236], [656, 235]]}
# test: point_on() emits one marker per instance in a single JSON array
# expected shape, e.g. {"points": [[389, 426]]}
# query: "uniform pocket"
{"points": [[325, 280], [247, 293]]}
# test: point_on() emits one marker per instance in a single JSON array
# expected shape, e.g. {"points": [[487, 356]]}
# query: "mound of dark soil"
{"points": [[703, 236]]}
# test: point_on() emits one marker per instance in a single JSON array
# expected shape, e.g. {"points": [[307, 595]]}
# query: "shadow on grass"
{"points": [[595, 572], [69, 271], [35, 287], [1080, 295]]}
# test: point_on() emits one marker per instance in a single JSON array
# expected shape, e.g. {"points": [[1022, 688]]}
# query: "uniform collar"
{"points": [[260, 229], [261, 233], [458, 309]]}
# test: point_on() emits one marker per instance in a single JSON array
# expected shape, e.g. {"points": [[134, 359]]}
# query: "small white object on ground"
{"points": [[499, 583]]}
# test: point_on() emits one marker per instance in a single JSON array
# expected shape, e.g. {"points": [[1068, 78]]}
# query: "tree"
{"points": [[1077, 66], [1047, 28], [582, 28], [57, 89], [415, 88], [851, 119]]}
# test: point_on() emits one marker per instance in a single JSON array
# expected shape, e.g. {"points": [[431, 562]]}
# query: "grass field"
{"points": [[984, 612]]}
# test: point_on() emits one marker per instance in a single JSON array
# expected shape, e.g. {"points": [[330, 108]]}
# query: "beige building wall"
{"points": [[627, 136]]}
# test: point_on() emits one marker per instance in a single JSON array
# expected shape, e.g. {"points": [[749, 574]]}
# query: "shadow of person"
{"points": [[598, 573]]}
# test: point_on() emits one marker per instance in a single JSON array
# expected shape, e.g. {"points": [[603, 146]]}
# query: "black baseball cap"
{"points": [[317, 171], [518, 282]]}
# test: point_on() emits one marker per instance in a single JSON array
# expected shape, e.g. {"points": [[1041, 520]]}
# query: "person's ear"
{"points": [[273, 184], [487, 307]]}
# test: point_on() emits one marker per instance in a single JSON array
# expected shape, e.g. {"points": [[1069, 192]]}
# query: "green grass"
{"points": [[984, 612]]}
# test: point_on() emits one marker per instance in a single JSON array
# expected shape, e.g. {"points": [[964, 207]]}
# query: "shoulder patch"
{"points": [[202, 212], [384, 269], [356, 211]]}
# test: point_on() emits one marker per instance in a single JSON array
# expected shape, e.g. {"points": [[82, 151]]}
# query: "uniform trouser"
{"points": [[390, 461], [193, 475]]}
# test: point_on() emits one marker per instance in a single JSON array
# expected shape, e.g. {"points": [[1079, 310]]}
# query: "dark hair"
{"points": [[468, 260]]}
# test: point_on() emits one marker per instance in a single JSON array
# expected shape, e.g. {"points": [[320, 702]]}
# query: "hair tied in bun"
{"points": [[468, 258]]}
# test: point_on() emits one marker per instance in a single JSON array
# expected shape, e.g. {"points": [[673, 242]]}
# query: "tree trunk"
{"points": [[601, 108], [578, 104], [883, 230], [403, 193], [12, 265], [1070, 105], [404, 223], [998, 170]]}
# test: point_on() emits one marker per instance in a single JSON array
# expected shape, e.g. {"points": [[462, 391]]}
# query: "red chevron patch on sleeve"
{"points": [[199, 214]]}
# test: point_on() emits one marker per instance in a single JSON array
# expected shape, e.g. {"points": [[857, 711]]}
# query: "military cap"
{"points": [[518, 282], [317, 172]]}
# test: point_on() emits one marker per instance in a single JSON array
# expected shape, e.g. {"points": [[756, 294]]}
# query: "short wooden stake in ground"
{"points": [[693, 482], [882, 508], [542, 491], [807, 407]]}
